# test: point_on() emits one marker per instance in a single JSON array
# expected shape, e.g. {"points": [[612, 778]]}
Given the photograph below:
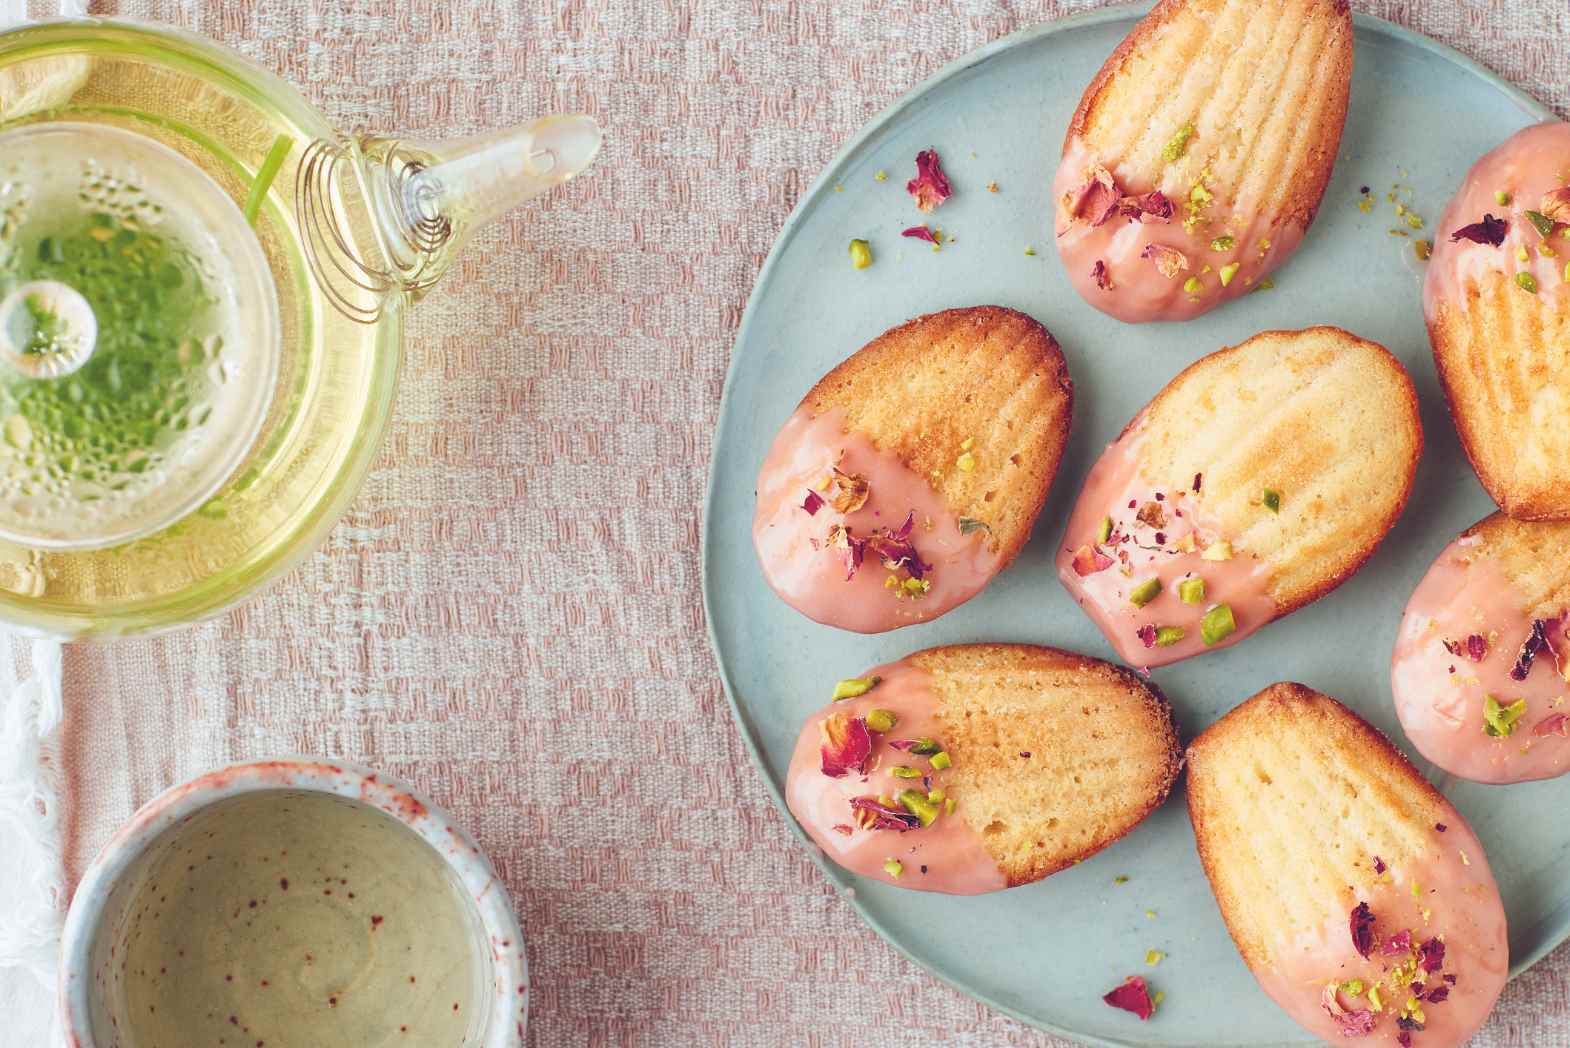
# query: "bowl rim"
{"points": [[509, 1003]]}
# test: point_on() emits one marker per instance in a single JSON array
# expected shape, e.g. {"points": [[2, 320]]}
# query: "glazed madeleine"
{"points": [[1198, 156], [1256, 482], [912, 473], [1358, 896], [1481, 672], [1497, 302], [971, 768]]}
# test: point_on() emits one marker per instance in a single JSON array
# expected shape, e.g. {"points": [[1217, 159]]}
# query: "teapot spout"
{"points": [[394, 224]]}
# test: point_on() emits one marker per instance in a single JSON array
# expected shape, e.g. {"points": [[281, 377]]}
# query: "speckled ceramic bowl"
{"points": [[287, 902]]}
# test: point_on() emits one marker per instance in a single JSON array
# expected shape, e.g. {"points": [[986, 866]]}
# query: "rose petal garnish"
{"points": [[873, 815], [1096, 199], [1556, 724], [1433, 955], [842, 829], [1353, 1024], [1489, 231], [847, 546], [930, 187], [1169, 260], [896, 549], [846, 745], [920, 233], [1362, 925], [850, 491], [1152, 515], [1147, 634], [1132, 996], [813, 503], [1089, 559], [1535, 642], [1556, 205], [1379, 865], [1151, 207], [1398, 944], [1100, 275], [1474, 647]]}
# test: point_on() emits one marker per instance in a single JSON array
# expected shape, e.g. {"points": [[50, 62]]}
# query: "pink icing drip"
{"points": [[1465, 912], [956, 860], [813, 580], [1439, 696], [1527, 165], [1139, 292], [1241, 582]]}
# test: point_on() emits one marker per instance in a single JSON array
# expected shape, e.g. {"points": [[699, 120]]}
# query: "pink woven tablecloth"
{"points": [[510, 616]]}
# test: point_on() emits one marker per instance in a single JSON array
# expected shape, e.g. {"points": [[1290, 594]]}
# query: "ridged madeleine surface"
{"points": [[1327, 420], [985, 379], [1056, 755]]}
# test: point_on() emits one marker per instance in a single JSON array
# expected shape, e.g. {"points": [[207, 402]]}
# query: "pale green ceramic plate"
{"points": [[1046, 953]]}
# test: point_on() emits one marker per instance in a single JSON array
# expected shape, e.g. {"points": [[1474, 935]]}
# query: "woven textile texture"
{"points": [[510, 616]]}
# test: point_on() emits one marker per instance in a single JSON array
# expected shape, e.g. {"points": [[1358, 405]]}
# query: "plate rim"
{"points": [[823, 184]]}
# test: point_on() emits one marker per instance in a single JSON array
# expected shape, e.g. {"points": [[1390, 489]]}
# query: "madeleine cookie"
{"points": [[1198, 156], [1360, 899], [1497, 301], [1257, 481], [911, 474], [1481, 672], [970, 768]]}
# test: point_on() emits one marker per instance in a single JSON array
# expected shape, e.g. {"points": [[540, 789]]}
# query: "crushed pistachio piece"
{"points": [[926, 747], [967, 443], [1104, 532], [1217, 551], [1166, 636], [1423, 249], [1150, 914], [1521, 255], [936, 796], [1199, 194], [1177, 145], [1145, 592], [880, 175], [1120, 879], [941, 760], [1192, 591], [917, 587], [1526, 282], [966, 463], [893, 867], [1352, 987], [1373, 999], [969, 524], [905, 771], [1223, 243], [1029, 250], [860, 254], [839, 188], [882, 721], [1229, 271], [1567, 272], [1154, 957], [1540, 222], [1500, 720], [854, 687], [1271, 500], [1501, 197], [1155, 1001], [1193, 286], [915, 802], [1218, 624]]}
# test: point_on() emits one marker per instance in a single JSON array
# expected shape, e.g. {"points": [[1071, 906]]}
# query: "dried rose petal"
{"points": [[846, 744], [813, 503], [1089, 559], [876, 816], [842, 829], [1404, 1039], [1147, 634], [1556, 205], [1438, 994], [1100, 275], [1555, 724], [1199, 478], [1096, 199], [920, 233], [1398, 944], [1535, 642], [847, 546], [1169, 260], [896, 549], [1132, 996], [1152, 207], [1379, 865], [1353, 1024], [850, 491], [1362, 925], [930, 187], [1152, 515], [1489, 231], [1433, 955]]}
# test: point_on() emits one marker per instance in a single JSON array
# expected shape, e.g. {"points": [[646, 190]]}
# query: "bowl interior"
{"points": [[288, 916]]}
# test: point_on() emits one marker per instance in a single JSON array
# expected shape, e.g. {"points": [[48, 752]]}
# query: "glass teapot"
{"points": [[202, 288]]}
